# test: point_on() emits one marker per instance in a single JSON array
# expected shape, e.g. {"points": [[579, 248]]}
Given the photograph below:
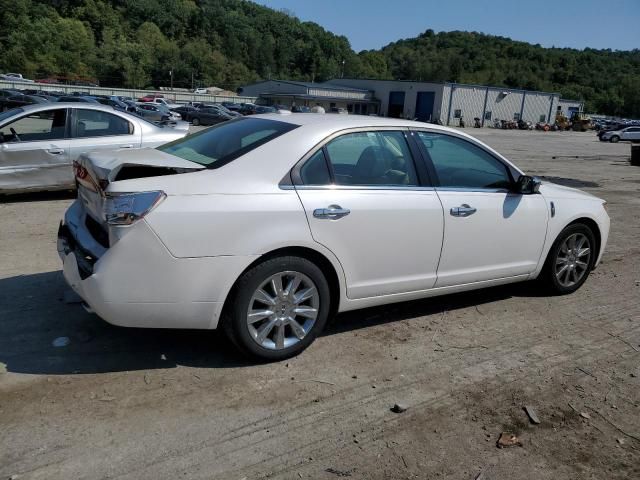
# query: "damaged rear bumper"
{"points": [[138, 283]]}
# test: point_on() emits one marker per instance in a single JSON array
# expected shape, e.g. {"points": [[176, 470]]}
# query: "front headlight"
{"points": [[128, 208]]}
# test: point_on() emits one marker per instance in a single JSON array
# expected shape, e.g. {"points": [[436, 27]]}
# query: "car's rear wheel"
{"points": [[195, 121], [570, 259], [614, 139], [278, 308]]}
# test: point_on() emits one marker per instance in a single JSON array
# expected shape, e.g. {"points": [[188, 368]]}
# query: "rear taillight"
{"points": [[84, 178], [128, 208]]}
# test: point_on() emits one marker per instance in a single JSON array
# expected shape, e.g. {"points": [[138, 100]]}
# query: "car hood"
{"points": [[553, 190]]}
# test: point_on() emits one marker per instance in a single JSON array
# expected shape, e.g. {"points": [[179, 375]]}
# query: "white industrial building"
{"points": [[426, 101]]}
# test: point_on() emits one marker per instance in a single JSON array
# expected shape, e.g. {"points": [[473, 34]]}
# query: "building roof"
{"points": [[308, 96], [324, 85], [450, 84]]}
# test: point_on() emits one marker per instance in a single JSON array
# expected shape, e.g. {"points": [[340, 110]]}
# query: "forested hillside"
{"points": [[608, 81], [227, 43]]}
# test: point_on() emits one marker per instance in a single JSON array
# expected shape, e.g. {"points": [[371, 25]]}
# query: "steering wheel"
{"points": [[15, 134]]}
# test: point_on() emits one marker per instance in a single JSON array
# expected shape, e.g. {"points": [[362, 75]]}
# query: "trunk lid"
{"points": [[94, 171]]}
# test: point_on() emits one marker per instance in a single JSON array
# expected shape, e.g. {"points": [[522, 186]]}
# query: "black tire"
{"points": [[548, 277], [614, 139], [195, 121], [235, 317]]}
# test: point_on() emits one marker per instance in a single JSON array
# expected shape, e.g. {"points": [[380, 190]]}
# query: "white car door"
{"points": [[100, 130], [366, 201], [490, 232]]}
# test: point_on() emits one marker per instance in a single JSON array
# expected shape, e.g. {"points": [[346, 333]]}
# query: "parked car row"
{"points": [[153, 109]]}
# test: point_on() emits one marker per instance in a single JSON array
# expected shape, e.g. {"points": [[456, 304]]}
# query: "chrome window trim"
{"points": [[474, 190], [357, 187]]}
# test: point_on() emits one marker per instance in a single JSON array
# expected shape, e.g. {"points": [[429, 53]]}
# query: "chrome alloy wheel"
{"points": [[283, 310], [572, 262]]}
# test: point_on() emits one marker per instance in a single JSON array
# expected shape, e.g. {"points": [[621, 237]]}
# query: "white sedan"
{"points": [[265, 226]]}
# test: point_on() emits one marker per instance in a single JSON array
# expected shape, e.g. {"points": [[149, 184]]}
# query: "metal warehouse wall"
{"points": [[469, 100], [501, 106], [536, 107], [446, 95], [382, 88], [566, 104]]}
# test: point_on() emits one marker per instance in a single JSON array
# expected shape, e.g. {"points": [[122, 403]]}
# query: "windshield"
{"points": [[219, 145], [10, 113]]}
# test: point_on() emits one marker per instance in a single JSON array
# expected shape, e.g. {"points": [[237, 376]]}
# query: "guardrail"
{"points": [[169, 96]]}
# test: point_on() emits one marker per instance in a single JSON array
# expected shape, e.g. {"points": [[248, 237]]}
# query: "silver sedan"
{"points": [[39, 143]]}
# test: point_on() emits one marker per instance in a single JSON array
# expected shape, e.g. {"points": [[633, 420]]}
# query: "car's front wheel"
{"points": [[614, 139], [278, 308], [570, 259], [195, 121]]}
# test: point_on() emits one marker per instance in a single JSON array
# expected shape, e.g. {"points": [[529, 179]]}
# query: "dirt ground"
{"points": [[133, 404]]}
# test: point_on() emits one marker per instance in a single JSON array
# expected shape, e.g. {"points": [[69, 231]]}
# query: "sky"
{"points": [[371, 24]]}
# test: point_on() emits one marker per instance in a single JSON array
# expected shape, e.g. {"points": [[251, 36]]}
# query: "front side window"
{"points": [[217, 146], [372, 158], [40, 126], [461, 164], [96, 123]]}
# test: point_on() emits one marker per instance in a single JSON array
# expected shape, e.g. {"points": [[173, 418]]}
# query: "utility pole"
{"points": [[171, 74], [342, 73], [192, 84]]}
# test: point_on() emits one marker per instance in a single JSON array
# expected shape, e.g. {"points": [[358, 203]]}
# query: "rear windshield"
{"points": [[217, 146]]}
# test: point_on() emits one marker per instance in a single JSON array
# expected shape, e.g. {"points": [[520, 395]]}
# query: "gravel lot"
{"points": [[132, 404]]}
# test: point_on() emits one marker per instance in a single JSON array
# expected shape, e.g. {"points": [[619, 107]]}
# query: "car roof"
{"points": [[339, 122], [85, 105]]}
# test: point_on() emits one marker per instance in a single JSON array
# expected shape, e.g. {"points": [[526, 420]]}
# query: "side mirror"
{"points": [[527, 185]]}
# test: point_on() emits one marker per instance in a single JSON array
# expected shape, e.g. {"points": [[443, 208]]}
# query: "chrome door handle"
{"points": [[333, 212], [463, 210], [55, 151]]}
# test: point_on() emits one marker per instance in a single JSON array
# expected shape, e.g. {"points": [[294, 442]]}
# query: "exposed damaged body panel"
{"points": [[94, 172], [125, 165]]}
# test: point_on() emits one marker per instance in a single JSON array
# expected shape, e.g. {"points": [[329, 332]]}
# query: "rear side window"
{"points": [[372, 158], [315, 170], [219, 145], [96, 123]]}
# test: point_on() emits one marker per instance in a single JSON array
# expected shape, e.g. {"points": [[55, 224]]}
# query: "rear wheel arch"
{"points": [[317, 258]]}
